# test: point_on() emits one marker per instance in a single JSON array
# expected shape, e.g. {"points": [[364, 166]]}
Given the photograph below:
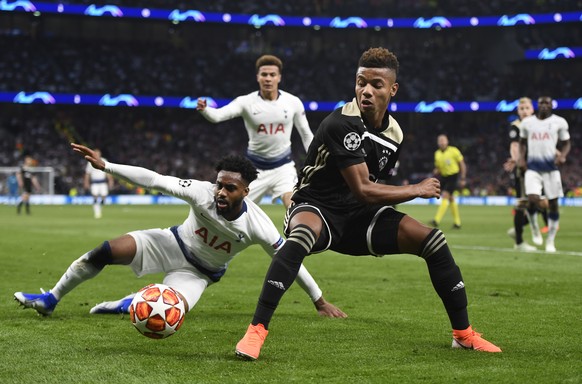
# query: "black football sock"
{"points": [[544, 213], [282, 272], [446, 278], [519, 222]]}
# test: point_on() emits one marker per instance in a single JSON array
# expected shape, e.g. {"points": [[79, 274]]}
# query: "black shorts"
{"points": [[449, 183], [369, 230], [519, 184]]}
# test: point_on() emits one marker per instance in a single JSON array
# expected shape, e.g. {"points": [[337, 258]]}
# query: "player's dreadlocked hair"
{"points": [[269, 60], [238, 164], [379, 58]]}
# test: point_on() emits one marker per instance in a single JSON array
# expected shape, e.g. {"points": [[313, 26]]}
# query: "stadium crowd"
{"points": [[456, 64], [82, 55], [182, 143]]}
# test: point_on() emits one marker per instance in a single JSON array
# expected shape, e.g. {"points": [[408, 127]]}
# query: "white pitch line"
{"points": [[511, 250]]}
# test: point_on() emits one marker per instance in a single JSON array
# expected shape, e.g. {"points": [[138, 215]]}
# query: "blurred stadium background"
{"points": [[69, 70]]}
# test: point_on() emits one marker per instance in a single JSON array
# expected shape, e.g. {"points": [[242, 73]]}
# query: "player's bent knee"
{"points": [[304, 236], [433, 243], [101, 255], [307, 219], [411, 235]]}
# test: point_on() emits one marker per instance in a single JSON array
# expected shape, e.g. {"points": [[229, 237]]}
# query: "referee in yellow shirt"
{"points": [[448, 167]]}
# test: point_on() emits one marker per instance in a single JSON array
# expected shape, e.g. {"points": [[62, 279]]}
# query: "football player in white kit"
{"points": [[269, 116], [541, 136], [98, 183], [222, 222]]}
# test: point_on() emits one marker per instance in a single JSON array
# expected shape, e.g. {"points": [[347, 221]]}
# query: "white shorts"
{"points": [[99, 189], [275, 182], [158, 251], [551, 182]]}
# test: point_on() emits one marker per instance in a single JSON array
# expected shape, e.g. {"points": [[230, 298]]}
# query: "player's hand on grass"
{"points": [[90, 155], [328, 309]]}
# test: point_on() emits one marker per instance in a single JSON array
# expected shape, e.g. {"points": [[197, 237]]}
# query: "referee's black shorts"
{"points": [[449, 183]]}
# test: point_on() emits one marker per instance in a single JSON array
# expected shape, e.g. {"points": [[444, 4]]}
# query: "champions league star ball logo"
{"points": [[185, 183], [352, 141]]}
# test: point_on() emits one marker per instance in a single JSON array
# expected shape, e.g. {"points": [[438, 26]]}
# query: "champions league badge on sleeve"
{"points": [[352, 141], [185, 183]]}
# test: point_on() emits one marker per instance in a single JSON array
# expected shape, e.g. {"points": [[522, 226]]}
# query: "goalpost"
{"points": [[45, 176]]}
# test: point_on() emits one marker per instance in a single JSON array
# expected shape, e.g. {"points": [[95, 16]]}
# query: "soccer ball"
{"points": [[157, 311]]}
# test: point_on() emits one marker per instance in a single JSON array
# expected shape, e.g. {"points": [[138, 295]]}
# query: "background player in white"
{"points": [[544, 145], [99, 183], [195, 254], [269, 116]]}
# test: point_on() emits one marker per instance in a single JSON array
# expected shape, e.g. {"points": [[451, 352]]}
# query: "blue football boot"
{"points": [[43, 303], [118, 306]]}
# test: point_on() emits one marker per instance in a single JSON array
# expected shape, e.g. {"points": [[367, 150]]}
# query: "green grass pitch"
{"points": [[397, 331]]}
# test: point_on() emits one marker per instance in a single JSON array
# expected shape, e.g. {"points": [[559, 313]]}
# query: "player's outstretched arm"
{"points": [[218, 115], [136, 175], [89, 155]]}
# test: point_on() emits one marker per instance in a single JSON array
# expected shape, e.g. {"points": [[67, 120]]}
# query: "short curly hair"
{"points": [[379, 58], [238, 164], [269, 60]]}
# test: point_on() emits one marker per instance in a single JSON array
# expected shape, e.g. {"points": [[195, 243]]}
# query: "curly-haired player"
{"points": [[222, 222], [338, 205]]}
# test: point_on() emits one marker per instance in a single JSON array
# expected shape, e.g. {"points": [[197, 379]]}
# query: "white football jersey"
{"points": [[209, 237], [268, 123], [96, 175], [542, 137]]}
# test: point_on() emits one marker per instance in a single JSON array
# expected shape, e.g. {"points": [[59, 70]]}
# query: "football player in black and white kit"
{"points": [[269, 116], [524, 109], [26, 182], [338, 205], [222, 222]]}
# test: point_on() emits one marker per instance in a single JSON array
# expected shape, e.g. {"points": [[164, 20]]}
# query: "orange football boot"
{"points": [[469, 339], [249, 347]]}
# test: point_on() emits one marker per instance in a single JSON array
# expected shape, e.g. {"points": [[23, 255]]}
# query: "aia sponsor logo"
{"points": [[540, 136], [271, 129], [213, 240]]}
